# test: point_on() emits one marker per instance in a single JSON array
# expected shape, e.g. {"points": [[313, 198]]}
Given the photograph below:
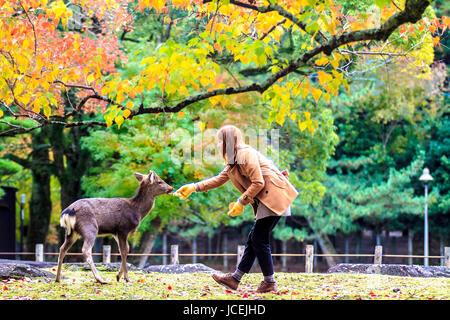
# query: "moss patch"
{"points": [[80, 285]]}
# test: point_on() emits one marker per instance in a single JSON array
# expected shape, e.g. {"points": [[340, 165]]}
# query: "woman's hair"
{"points": [[230, 137]]}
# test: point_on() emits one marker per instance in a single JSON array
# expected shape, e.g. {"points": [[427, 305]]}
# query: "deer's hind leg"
{"points": [[124, 250], [68, 242], [89, 235]]}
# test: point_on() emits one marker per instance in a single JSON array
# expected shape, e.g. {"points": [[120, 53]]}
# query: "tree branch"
{"points": [[412, 13]]}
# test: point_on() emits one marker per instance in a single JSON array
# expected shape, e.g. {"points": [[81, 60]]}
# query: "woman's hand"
{"points": [[236, 209], [185, 191]]}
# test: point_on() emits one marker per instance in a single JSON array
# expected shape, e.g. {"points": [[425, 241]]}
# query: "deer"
{"points": [[91, 217]]}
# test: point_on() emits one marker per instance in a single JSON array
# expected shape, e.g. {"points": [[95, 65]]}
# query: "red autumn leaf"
{"points": [[5, 288], [169, 287], [98, 292], [245, 295], [227, 291]]}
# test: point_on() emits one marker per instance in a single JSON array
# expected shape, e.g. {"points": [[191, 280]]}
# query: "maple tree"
{"points": [[44, 55]]}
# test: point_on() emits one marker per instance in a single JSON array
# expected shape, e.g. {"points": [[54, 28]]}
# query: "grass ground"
{"points": [[80, 285]]}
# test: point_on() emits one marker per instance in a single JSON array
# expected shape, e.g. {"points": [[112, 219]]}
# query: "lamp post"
{"points": [[425, 177]]}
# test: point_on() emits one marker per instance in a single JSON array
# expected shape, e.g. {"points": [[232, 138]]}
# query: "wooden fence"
{"points": [[175, 254]]}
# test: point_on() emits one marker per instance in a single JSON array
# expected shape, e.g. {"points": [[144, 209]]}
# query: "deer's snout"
{"points": [[170, 190]]}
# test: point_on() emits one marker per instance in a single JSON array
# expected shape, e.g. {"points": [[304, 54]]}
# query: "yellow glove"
{"points": [[236, 209], [185, 191]]}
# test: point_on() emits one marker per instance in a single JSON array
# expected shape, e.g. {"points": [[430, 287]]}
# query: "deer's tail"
{"points": [[67, 220]]}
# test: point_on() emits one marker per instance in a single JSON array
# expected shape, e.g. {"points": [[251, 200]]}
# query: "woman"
{"points": [[264, 187]]}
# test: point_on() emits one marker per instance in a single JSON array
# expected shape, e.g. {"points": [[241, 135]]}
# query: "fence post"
{"points": [[378, 255], [164, 247], [225, 249], [309, 261], [174, 254], [240, 253], [447, 256], [194, 250], [39, 252], [107, 254], [283, 259]]}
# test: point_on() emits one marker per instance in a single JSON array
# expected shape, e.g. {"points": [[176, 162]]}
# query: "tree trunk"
{"points": [[40, 202], [70, 163], [327, 248], [325, 245], [148, 240]]}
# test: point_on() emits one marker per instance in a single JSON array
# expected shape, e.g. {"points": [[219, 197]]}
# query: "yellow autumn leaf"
{"points": [[302, 125], [244, 59], [305, 92], [201, 125], [324, 77], [321, 61], [47, 111], [126, 113], [279, 118], [316, 93], [218, 47], [180, 115], [1, 113], [90, 78], [130, 105], [119, 120], [307, 115], [334, 63], [25, 98]]}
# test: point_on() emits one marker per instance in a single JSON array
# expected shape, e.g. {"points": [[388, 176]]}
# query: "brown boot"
{"points": [[227, 281], [265, 287]]}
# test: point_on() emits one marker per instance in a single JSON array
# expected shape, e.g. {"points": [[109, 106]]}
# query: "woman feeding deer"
{"points": [[264, 187]]}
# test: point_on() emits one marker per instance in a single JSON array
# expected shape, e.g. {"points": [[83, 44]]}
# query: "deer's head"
{"points": [[153, 183]]}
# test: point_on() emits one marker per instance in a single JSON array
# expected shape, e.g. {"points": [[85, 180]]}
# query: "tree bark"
{"points": [[327, 248], [40, 202], [148, 240]]}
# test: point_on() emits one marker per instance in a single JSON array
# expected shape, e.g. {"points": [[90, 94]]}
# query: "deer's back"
{"points": [[110, 215]]}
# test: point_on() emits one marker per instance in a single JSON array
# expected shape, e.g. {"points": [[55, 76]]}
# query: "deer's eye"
{"points": [[159, 182]]}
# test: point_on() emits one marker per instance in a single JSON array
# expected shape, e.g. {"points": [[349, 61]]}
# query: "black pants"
{"points": [[258, 246]]}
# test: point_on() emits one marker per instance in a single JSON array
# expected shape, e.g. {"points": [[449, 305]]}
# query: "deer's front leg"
{"points": [[124, 249]]}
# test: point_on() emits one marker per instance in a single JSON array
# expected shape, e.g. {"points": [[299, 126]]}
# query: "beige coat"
{"points": [[255, 177]]}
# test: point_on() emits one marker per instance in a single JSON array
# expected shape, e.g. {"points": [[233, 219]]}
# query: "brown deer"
{"points": [[119, 217]]}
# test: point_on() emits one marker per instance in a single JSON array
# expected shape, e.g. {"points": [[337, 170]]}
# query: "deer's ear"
{"points": [[139, 176], [151, 177]]}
